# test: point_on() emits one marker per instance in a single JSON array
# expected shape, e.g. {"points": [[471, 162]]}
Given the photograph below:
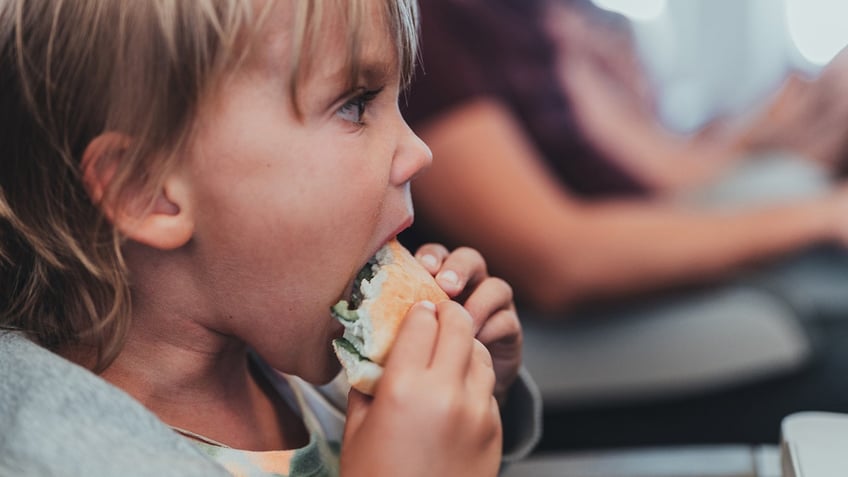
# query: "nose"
{"points": [[411, 156]]}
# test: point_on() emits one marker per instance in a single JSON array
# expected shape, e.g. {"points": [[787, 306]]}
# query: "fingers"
{"points": [[453, 349], [461, 359], [441, 335], [443, 343], [502, 328], [489, 315], [432, 255], [462, 269], [415, 340], [490, 297], [439, 339], [481, 374], [456, 271]]}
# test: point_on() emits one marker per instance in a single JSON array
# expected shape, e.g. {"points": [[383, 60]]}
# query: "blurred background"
{"points": [[649, 176], [726, 60], [709, 58]]}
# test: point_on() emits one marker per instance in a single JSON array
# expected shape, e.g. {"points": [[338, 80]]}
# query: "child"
{"points": [[185, 190]]}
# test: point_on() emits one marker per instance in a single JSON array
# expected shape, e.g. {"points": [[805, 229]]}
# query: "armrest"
{"points": [[814, 444], [680, 461], [663, 348]]}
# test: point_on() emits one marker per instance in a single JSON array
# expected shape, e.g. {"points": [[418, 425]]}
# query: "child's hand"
{"points": [[463, 276], [433, 412]]}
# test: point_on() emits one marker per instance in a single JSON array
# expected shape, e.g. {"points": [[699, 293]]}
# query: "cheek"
{"points": [[294, 249], [283, 225]]}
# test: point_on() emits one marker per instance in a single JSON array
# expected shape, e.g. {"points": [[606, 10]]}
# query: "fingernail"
{"points": [[427, 304], [449, 277], [429, 261]]}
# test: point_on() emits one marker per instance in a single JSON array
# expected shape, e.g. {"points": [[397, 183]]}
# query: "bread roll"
{"points": [[383, 293]]}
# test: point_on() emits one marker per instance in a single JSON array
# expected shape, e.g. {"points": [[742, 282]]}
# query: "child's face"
{"points": [[287, 211]]}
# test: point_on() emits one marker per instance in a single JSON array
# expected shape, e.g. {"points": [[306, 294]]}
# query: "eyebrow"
{"points": [[371, 69], [377, 70], [368, 70]]}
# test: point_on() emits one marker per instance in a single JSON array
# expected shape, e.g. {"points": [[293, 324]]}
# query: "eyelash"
{"points": [[358, 105]]}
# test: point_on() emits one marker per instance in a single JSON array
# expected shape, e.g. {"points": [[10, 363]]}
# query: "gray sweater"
{"points": [[59, 419]]}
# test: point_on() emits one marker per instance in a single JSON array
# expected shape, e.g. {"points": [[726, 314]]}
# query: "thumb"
{"points": [[357, 408]]}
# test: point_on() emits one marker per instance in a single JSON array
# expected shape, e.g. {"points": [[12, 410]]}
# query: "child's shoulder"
{"points": [[60, 419]]}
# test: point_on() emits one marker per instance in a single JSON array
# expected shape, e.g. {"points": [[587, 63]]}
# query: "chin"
{"points": [[322, 369], [331, 369]]}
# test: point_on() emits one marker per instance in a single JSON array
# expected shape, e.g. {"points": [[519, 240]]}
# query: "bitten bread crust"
{"points": [[407, 282], [399, 283]]}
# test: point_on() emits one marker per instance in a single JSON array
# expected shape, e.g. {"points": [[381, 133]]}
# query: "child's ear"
{"points": [[167, 224]]}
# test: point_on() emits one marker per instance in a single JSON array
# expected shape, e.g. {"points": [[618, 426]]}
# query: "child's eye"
{"points": [[354, 109]]}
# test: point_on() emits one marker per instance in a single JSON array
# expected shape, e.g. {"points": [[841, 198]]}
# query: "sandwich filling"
{"points": [[382, 293], [366, 286]]}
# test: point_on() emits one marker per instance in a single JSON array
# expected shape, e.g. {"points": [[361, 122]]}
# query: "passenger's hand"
{"points": [[807, 116], [462, 274], [433, 412]]}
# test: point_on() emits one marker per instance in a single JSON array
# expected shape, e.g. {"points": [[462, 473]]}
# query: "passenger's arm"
{"points": [[633, 137], [612, 99], [488, 189]]}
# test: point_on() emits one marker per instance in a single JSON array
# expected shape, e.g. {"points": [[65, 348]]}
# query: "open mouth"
{"points": [[365, 275], [346, 311]]}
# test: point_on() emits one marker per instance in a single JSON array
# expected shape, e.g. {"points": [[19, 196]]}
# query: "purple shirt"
{"points": [[498, 49]]}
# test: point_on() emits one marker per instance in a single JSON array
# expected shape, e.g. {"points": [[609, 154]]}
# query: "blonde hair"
{"points": [[71, 70]]}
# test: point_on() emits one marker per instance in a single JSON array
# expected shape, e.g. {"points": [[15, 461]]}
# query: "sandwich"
{"points": [[383, 291]]}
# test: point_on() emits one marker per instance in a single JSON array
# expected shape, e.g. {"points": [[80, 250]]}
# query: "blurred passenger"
{"points": [[550, 160]]}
